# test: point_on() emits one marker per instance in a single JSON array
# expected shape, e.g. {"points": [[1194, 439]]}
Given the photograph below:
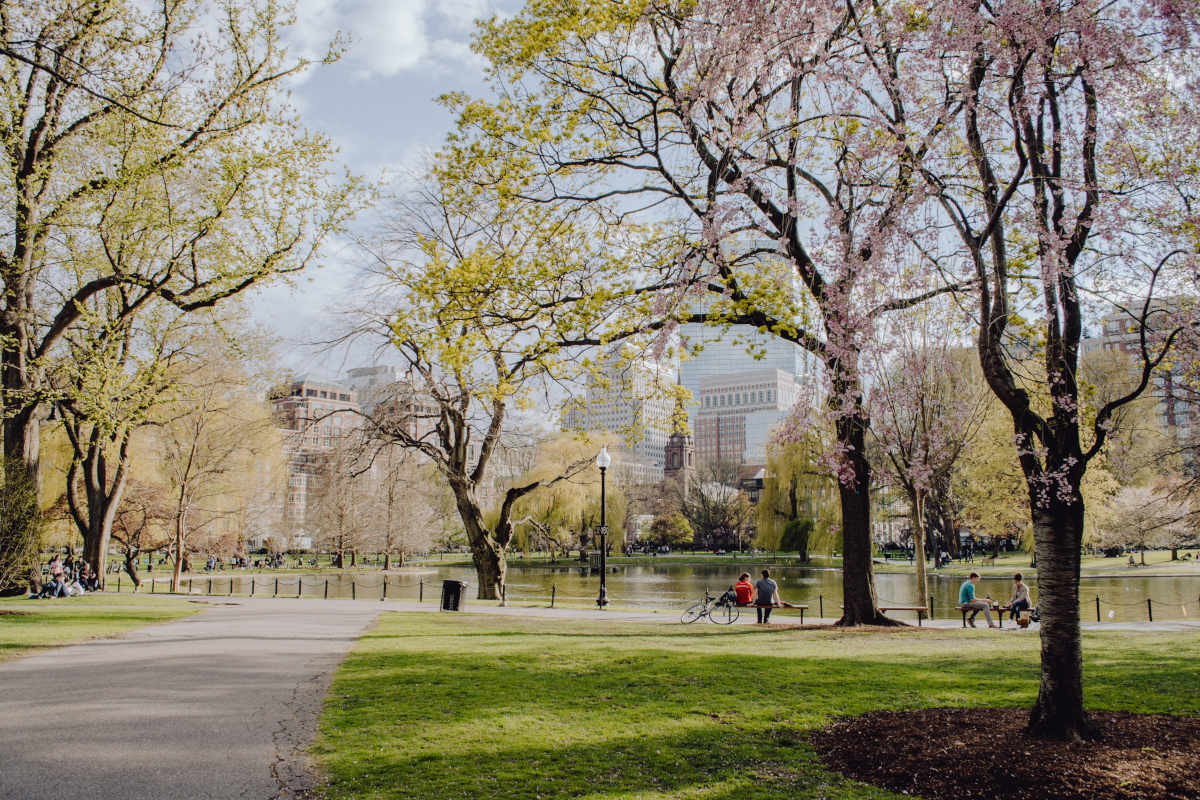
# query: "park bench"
{"points": [[802, 607], [999, 609]]}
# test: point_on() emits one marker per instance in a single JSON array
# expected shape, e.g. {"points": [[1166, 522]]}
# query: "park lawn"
{"points": [[28, 626], [448, 706]]}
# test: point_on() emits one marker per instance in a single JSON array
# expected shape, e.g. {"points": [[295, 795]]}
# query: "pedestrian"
{"points": [[766, 593]]}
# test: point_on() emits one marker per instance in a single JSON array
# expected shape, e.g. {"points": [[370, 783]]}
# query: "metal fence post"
{"points": [[252, 587], [821, 604], [421, 591], [210, 585], [353, 590], [553, 591], [383, 596], [1149, 609], [931, 599], [327, 588], [300, 587], [1097, 608]]}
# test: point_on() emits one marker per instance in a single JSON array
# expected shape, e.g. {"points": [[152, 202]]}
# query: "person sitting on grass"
{"points": [[744, 589], [55, 587], [1020, 599], [766, 595], [966, 598]]}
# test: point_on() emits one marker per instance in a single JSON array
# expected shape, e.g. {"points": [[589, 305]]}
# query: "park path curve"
{"points": [[219, 706]]}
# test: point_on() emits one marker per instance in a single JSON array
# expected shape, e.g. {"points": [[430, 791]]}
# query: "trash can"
{"points": [[453, 595]]}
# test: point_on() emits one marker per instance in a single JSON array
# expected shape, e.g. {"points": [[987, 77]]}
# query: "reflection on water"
{"points": [[666, 586]]}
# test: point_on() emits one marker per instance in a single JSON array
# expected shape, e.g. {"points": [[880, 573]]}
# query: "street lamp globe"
{"points": [[603, 459]]}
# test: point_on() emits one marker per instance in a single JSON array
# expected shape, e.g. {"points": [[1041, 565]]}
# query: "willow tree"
{"points": [[770, 136], [146, 148]]}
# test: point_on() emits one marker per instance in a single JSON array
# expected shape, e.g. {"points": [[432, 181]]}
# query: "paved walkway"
{"points": [[221, 705]]}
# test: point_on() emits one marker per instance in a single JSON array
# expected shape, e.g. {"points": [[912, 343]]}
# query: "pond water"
{"points": [[667, 586]]}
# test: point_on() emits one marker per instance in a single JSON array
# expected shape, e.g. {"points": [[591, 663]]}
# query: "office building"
{"points": [[731, 364], [631, 398], [738, 411], [306, 409]]}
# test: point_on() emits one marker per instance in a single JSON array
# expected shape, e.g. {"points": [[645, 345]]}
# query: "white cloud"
{"points": [[389, 36]]}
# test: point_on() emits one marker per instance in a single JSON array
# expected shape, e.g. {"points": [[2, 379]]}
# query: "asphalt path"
{"points": [[220, 705]]}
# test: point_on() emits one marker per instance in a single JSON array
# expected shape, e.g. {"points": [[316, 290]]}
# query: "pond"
{"points": [[672, 587]]}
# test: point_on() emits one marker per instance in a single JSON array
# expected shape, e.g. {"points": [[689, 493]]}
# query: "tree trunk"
{"points": [[917, 512], [859, 605], [177, 573], [387, 561], [131, 558], [1058, 712], [491, 568]]}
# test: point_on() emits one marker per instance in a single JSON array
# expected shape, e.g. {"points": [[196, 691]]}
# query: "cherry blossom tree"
{"points": [[1071, 185], [779, 142], [925, 410]]}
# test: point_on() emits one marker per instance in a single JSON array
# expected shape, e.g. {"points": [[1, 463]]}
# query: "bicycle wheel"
{"points": [[724, 615], [693, 613]]}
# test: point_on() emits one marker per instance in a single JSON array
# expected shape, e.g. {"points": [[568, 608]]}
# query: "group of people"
{"points": [[67, 578], [763, 594], [1020, 600]]}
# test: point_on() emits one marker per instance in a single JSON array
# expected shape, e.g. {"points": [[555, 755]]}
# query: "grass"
{"points": [[478, 706], [28, 626]]}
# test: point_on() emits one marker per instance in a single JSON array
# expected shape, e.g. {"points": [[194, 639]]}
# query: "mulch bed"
{"points": [[10, 612], [963, 754]]}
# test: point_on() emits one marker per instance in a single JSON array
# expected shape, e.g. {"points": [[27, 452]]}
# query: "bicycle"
{"points": [[721, 609]]}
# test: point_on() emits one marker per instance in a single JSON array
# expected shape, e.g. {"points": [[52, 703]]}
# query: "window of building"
{"points": [[310, 392], [324, 394], [343, 397]]}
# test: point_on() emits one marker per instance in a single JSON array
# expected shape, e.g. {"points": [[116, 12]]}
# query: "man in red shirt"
{"points": [[744, 589]]}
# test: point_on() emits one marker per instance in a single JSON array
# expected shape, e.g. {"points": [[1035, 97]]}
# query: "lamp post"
{"points": [[603, 459]]}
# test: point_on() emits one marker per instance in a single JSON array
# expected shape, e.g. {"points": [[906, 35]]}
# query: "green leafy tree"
{"points": [[493, 302], [149, 155], [672, 530]]}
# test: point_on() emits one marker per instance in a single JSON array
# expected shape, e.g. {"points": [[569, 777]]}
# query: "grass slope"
{"points": [[487, 707], [29, 626]]}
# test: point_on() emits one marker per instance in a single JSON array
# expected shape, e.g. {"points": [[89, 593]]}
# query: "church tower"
{"points": [[680, 452]]}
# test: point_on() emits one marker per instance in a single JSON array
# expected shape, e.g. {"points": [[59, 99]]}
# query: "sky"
{"points": [[379, 106]]}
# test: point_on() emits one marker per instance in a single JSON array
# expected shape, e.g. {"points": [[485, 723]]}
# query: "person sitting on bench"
{"points": [[966, 599], [744, 589], [1020, 599], [766, 596]]}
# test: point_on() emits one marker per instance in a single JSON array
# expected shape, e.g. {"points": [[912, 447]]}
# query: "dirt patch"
{"points": [[9, 612], [964, 754], [871, 630]]}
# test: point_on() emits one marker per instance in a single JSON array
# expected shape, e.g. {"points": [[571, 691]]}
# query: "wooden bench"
{"points": [[999, 609], [801, 607]]}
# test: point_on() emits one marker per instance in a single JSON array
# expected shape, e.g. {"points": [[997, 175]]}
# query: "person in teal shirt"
{"points": [[967, 599]]}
